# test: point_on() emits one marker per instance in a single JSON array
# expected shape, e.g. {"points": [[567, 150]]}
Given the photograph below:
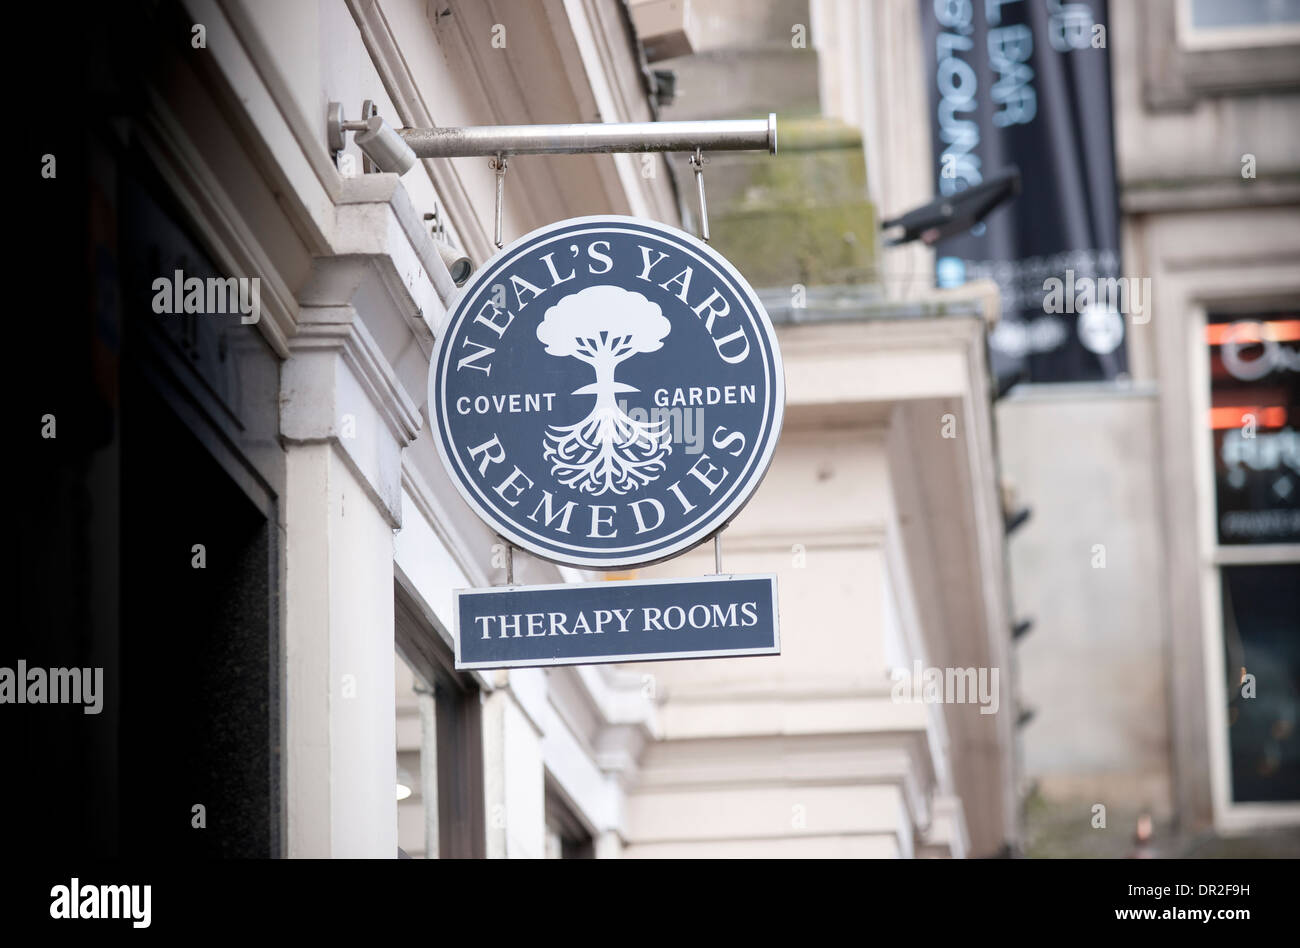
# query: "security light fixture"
{"points": [[382, 145], [377, 139], [1015, 520], [665, 86], [953, 213], [458, 264]]}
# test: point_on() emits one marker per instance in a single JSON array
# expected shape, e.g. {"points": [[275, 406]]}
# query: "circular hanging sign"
{"points": [[607, 392]]}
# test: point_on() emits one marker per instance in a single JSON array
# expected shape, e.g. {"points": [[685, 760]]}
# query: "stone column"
{"points": [[344, 420]]}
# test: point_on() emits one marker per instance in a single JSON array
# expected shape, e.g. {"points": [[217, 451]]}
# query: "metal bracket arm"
{"points": [[397, 150], [625, 138]]}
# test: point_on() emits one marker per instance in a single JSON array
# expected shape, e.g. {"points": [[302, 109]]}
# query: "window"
{"points": [[439, 744], [1254, 421], [1261, 638], [1213, 23], [566, 836], [1223, 48]]}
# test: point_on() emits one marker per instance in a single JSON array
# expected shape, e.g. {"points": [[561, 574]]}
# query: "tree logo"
{"points": [[562, 371], [606, 451]]}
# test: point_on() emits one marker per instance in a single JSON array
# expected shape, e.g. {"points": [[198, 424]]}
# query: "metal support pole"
{"points": [[510, 565], [397, 150], [717, 553], [697, 163], [626, 137]]}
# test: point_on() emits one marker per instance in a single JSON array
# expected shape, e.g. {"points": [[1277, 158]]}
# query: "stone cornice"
{"points": [[338, 329]]}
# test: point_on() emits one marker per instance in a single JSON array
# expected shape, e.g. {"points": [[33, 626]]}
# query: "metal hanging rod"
{"points": [[697, 161], [397, 149], [626, 137]]}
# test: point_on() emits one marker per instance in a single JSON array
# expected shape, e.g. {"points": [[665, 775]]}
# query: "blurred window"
{"points": [[1261, 637], [1215, 14], [1254, 420], [1210, 24]]}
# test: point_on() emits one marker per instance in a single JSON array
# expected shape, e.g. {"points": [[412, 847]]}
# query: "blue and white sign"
{"points": [[587, 623], [607, 392]]}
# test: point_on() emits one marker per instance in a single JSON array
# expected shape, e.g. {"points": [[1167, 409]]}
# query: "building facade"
{"points": [[319, 656], [1148, 616]]}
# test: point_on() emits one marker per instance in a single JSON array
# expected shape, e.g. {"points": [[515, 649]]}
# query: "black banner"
{"points": [[1026, 83]]}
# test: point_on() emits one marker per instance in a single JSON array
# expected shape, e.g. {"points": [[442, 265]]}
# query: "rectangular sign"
{"points": [[639, 621]]}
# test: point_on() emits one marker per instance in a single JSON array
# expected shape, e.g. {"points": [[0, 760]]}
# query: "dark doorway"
{"points": [[197, 656], [142, 435]]}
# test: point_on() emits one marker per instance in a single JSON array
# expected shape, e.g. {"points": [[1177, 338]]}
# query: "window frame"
{"points": [[1193, 38], [462, 824], [1229, 815], [1198, 64]]}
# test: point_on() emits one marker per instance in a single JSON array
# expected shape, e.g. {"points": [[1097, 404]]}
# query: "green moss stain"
{"points": [[801, 216]]}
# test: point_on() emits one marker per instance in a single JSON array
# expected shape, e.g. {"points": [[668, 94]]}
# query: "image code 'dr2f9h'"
{"points": [[552, 380]]}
